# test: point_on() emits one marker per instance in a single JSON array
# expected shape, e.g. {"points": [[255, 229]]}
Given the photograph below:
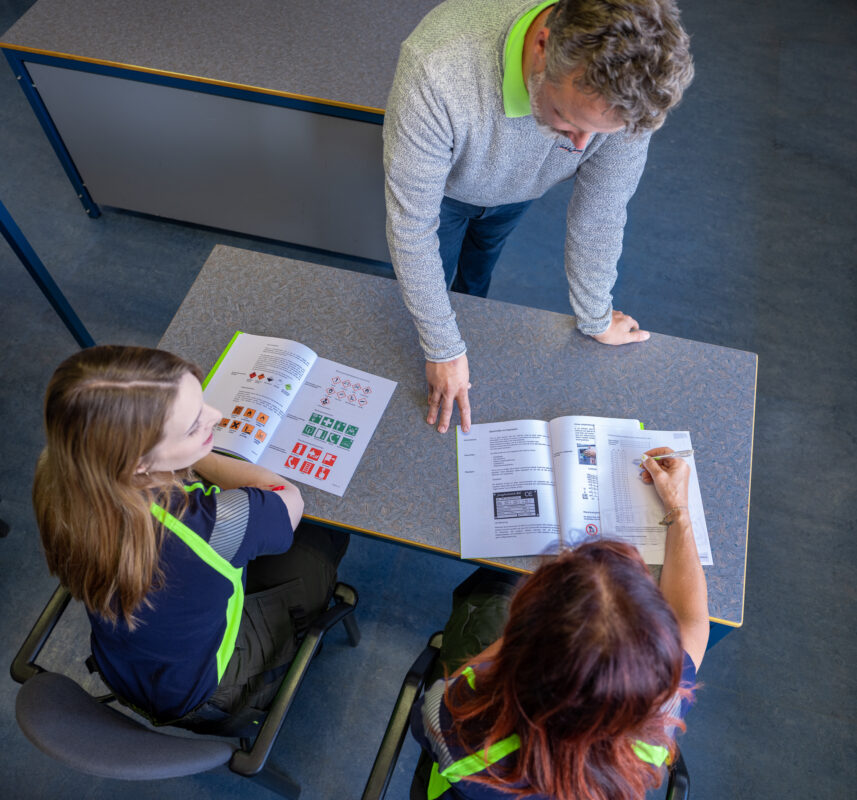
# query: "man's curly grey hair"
{"points": [[632, 53]]}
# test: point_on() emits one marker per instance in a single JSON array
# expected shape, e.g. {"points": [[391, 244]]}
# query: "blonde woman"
{"points": [[196, 592]]}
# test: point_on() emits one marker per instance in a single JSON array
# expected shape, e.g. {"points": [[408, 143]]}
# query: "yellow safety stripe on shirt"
{"points": [[194, 487], [437, 785], [210, 556], [650, 753], [439, 782], [476, 762]]}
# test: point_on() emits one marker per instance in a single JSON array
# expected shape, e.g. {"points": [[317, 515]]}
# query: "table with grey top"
{"points": [[526, 364], [260, 117]]}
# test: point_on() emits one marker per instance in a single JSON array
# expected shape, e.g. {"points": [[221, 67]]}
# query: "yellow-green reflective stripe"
{"points": [[469, 676], [193, 487], [437, 784], [233, 574], [477, 762], [650, 753]]}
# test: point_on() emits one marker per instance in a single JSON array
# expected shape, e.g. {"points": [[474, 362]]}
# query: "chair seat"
{"points": [[53, 711], [66, 722]]}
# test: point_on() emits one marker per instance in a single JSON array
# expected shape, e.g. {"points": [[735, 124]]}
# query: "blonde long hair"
{"points": [[105, 409]]}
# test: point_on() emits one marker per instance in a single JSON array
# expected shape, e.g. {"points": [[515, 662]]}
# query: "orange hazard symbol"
{"points": [[248, 428], [249, 412], [261, 418], [237, 410]]}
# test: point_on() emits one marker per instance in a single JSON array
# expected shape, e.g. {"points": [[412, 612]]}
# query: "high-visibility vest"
{"points": [[440, 782], [210, 556]]}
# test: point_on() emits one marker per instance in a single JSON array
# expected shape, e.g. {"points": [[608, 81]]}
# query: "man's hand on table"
{"points": [[623, 330], [448, 383]]}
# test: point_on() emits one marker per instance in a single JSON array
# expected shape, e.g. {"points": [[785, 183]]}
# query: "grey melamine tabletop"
{"points": [[525, 364], [344, 51]]}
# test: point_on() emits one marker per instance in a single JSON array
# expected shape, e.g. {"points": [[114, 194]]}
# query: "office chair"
{"points": [[69, 724], [678, 783]]}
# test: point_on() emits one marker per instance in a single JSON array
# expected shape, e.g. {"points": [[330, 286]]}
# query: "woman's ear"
{"points": [[142, 467]]}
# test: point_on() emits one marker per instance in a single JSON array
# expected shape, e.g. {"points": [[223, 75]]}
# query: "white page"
{"points": [[253, 386], [507, 503], [328, 426], [576, 473], [630, 509]]}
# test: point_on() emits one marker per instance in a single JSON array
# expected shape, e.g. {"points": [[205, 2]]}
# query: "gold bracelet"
{"points": [[666, 522]]}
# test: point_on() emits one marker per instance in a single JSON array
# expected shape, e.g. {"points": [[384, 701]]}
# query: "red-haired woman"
{"points": [[581, 695]]}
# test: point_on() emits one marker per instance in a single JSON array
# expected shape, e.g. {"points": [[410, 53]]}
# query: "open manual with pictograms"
{"points": [[299, 415], [529, 487]]}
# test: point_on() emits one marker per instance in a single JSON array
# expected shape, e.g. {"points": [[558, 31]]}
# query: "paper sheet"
{"points": [[301, 416], [506, 490], [576, 473], [630, 509], [328, 426]]}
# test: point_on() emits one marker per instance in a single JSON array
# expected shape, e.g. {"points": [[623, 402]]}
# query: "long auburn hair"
{"points": [[105, 409], [590, 654]]}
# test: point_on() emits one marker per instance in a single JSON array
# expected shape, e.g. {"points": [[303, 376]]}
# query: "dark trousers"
{"points": [[471, 240], [284, 593]]}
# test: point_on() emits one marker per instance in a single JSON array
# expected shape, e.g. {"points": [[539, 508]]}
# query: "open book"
{"points": [[287, 409], [529, 487]]}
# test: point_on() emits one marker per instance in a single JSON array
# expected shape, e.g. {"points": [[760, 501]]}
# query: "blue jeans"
{"points": [[471, 239]]}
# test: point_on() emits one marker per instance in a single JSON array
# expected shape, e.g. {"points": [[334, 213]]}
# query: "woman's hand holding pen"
{"points": [[682, 579], [670, 477]]}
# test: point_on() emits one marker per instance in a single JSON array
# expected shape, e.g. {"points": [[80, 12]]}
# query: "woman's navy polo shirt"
{"points": [[167, 665]]}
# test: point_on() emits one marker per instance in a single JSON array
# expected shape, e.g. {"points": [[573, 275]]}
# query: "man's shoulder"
{"points": [[455, 27]]}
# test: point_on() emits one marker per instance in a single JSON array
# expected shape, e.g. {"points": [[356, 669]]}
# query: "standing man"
{"points": [[493, 103]]}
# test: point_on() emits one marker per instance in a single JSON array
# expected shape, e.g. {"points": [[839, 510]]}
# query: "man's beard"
{"points": [[534, 87]]}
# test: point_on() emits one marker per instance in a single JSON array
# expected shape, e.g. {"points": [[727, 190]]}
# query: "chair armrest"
{"points": [[678, 787], [251, 762], [397, 727], [23, 665]]}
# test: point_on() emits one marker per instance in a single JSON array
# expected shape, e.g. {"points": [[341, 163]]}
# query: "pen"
{"points": [[676, 454]]}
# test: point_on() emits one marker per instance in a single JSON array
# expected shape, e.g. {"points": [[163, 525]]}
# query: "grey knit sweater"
{"points": [[445, 133]]}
